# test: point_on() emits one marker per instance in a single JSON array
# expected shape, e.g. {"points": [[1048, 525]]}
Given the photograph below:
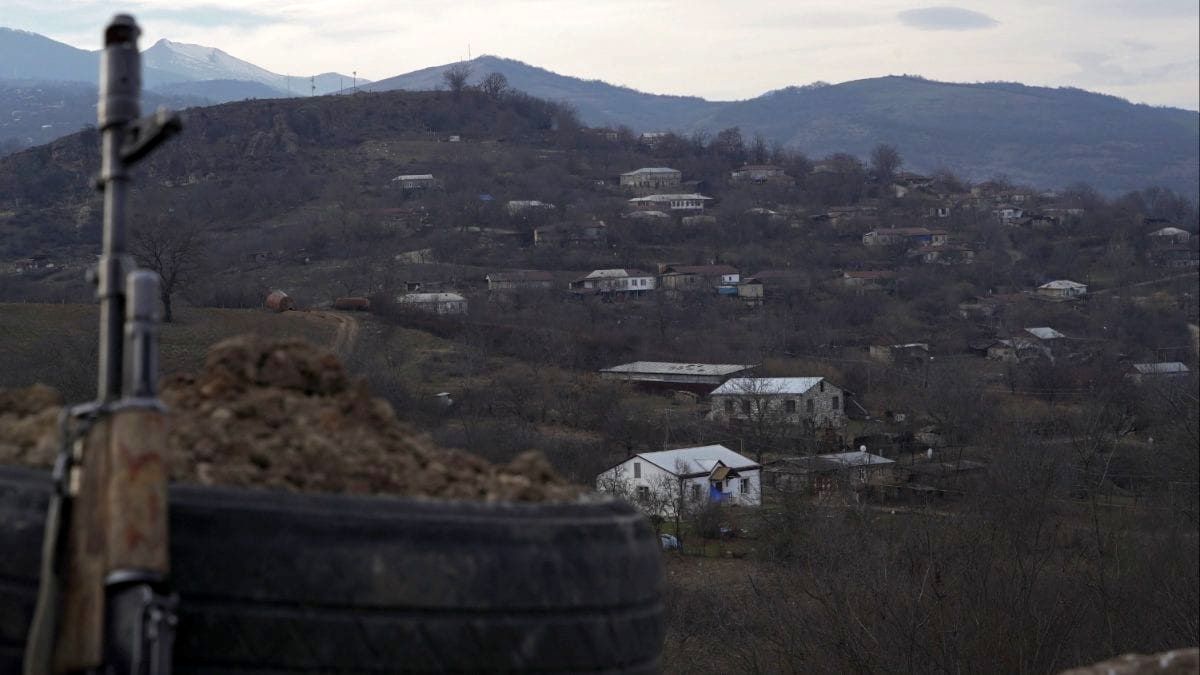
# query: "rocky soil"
{"points": [[285, 415]]}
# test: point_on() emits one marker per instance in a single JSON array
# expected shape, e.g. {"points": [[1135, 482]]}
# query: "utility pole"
{"points": [[104, 604]]}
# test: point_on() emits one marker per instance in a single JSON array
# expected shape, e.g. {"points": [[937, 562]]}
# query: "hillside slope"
{"points": [[1038, 135], [1035, 135], [598, 103]]}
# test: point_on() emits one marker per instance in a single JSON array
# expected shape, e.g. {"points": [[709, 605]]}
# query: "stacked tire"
{"points": [[276, 582]]}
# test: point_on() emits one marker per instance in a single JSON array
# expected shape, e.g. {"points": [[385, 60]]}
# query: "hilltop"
{"points": [[1046, 136]]}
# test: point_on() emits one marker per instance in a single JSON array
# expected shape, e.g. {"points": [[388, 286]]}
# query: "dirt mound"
{"points": [[285, 415]]}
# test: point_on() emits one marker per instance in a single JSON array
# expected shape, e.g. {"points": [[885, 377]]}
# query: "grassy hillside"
{"points": [[1048, 137], [1036, 135], [599, 103], [31, 331]]}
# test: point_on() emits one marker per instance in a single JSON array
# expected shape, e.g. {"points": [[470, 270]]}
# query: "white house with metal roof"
{"points": [[1163, 369], [688, 202], [1062, 288], [810, 401], [699, 377], [435, 303], [1044, 333], [616, 280], [652, 177], [667, 483]]}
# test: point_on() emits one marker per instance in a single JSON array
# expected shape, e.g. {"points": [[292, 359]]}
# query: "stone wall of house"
{"points": [[823, 414]]}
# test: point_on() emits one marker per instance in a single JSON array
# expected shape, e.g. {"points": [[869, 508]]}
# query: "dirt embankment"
{"points": [[285, 415]]}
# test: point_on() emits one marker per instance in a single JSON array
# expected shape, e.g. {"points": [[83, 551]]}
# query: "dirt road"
{"points": [[346, 334]]}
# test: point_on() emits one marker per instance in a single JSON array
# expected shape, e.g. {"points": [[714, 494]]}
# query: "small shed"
{"points": [[278, 301]]}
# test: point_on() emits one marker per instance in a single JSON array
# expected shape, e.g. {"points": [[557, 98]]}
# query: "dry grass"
{"points": [[56, 344]]}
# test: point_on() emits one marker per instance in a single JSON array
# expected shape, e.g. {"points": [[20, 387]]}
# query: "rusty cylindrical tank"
{"points": [[352, 304], [278, 301]]}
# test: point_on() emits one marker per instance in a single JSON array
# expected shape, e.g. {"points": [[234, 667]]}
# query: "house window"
{"points": [[746, 407], [791, 406], [837, 403], [695, 491], [808, 405], [821, 385], [637, 469], [643, 493], [744, 488], [729, 406]]}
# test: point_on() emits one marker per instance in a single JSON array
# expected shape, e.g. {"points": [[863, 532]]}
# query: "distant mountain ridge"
{"points": [[1038, 135], [1042, 136], [33, 57]]}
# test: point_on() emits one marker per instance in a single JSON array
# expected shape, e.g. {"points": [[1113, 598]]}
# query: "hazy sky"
{"points": [[1144, 50]]}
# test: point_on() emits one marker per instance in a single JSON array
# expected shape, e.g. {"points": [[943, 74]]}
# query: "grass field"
{"points": [[56, 344]]}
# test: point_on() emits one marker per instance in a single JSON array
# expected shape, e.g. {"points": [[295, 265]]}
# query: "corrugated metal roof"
{"points": [[701, 269], [667, 198], [671, 368], [521, 275], [740, 386], [431, 297], [1169, 232], [1058, 284], [1165, 368], [651, 170], [856, 458], [686, 461], [1044, 333]]}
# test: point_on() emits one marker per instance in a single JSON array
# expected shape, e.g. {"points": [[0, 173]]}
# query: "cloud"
{"points": [[945, 18], [209, 16], [1100, 69]]}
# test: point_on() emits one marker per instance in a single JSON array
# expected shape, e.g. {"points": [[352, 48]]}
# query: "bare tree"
{"points": [[885, 160], [173, 250], [494, 85], [456, 77]]}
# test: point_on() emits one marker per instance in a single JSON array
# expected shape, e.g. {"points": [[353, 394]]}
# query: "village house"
{"points": [[809, 401], [837, 476], [435, 303], [749, 291], [836, 215], [1016, 349], [911, 351], [911, 236], [516, 280], [1144, 372], [697, 277], [565, 235], [757, 173], [648, 216], [1062, 289], [416, 181], [700, 378], [615, 281], [869, 278], [681, 202], [652, 139], [945, 254], [1169, 236], [1179, 256], [522, 205], [905, 183], [664, 483], [655, 177], [30, 264], [1008, 214]]}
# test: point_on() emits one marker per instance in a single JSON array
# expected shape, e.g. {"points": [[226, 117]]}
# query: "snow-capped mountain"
{"points": [[183, 62]]}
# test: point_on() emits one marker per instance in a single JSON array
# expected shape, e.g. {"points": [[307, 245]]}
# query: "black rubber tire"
{"points": [[277, 583]]}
